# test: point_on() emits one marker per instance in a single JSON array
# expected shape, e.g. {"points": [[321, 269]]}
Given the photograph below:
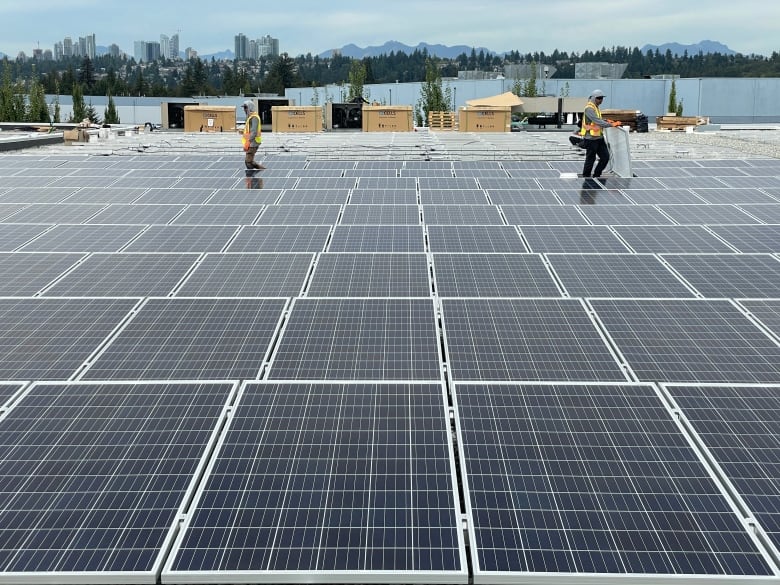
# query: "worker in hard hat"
{"points": [[252, 136], [592, 132]]}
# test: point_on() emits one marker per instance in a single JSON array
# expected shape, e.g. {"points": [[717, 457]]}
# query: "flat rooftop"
{"points": [[390, 358]]}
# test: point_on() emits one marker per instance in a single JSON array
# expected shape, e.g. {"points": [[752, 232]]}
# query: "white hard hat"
{"points": [[597, 93]]}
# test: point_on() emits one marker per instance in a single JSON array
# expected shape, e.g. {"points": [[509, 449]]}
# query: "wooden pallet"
{"points": [[441, 120], [625, 117], [678, 122]]}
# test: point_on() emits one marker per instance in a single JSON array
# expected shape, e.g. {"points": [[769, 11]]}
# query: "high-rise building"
{"points": [[152, 51], [139, 50], [58, 52], [67, 48], [241, 47], [91, 46], [165, 46], [267, 46], [175, 46], [190, 53], [82, 51], [114, 50]]}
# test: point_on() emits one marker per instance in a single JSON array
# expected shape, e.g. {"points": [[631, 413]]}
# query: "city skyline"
{"points": [[748, 27]]}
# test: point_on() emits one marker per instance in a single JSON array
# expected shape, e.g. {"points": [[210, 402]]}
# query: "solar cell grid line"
{"points": [[447, 183], [769, 213], [105, 195], [280, 238], [50, 339], [453, 197], [690, 341], [707, 214], [358, 339], [182, 238], [699, 182], [25, 274], [492, 275], [7, 209], [100, 503], [591, 193], [55, 213], [218, 215], [441, 174], [772, 182], [330, 164], [544, 215], [314, 196], [525, 339], [672, 238], [383, 214], [317, 173], [197, 338], [84, 238], [328, 482], [8, 390], [378, 164], [737, 424], [123, 275], [572, 239], [148, 182], [377, 238], [624, 214], [729, 275], [766, 311], [462, 215], [592, 480], [242, 275], [474, 239], [513, 183], [617, 275], [370, 275], [744, 238], [299, 214], [325, 183], [121, 214]]}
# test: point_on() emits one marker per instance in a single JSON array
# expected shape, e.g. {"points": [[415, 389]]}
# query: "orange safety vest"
{"points": [[247, 132], [593, 129]]}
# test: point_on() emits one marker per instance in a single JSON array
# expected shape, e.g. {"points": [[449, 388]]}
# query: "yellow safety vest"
{"points": [[593, 129], [247, 132]]}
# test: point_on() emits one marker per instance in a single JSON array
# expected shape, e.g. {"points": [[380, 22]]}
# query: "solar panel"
{"points": [[124, 275], [522, 197], [381, 214], [248, 196], [591, 480], [663, 196], [670, 239], [724, 196], [447, 183], [7, 209], [453, 196], [513, 183], [738, 426], [766, 182], [106, 195], [189, 338], [474, 239], [543, 215], [84, 238], [244, 275], [493, 275], [624, 215], [768, 312], [137, 214], [744, 238], [370, 275], [706, 214], [280, 238], [102, 499], [572, 239], [182, 238], [383, 197], [525, 339], [314, 196], [729, 275], [218, 215], [283, 499], [694, 341], [24, 274], [324, 183], [377, 238], [599, 197], [462, 215], [44, 195], [387, 183], [358, 339], [299, 214], [766, 213], [50, 339], [7, 392], [53, 213]]}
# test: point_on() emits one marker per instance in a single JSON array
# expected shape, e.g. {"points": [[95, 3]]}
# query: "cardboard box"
{"points": [[296, 119], [209, 118], [387, 119], [495, 119]]}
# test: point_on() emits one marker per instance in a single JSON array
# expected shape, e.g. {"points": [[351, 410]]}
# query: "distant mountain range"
{"points": [[703, 47], [446, 52]]}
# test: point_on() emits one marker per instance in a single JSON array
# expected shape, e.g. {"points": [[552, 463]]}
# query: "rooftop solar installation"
{"points": [[599, 480], [408, 358], [307, 510], [103, 497]]}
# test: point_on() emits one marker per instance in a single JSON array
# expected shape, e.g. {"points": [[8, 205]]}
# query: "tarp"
{"points": [[500, 100]]}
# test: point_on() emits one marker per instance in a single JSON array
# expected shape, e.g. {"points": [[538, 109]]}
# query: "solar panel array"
{"points": [[387, 371]]}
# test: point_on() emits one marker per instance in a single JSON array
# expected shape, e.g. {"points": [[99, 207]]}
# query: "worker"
{"points": [[252, 136], [592, 132]]}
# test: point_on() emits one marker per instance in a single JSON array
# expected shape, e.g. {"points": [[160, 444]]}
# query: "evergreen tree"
{"points": [[110, 116], [357, 80], [87, 75], [432, 96], [92, 114], [79, 108], [37, 109], [283, 74]]}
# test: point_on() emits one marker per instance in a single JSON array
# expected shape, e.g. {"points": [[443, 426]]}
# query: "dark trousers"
{"points": [[249, 159], [593, 148]]}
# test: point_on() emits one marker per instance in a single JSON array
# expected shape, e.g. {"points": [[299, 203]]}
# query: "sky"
{"points": [[314, 26]]}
